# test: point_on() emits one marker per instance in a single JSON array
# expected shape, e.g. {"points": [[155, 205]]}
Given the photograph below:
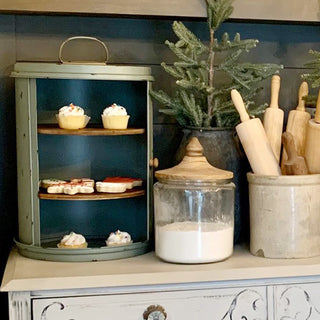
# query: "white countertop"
{"points": [[24, 274]]}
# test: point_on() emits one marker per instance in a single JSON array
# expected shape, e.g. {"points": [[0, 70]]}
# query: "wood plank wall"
{"points": [[135, 42], [281, 10]]}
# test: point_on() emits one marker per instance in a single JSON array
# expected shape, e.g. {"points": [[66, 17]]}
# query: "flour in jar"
{"points": [[193, 242]]}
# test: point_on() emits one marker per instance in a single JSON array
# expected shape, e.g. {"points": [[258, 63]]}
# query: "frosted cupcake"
{"points": [[72, 117], [118, 238], [73, 241], [115, 117]]}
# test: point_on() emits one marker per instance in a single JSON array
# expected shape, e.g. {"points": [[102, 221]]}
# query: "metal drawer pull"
{"points": [[155, 312]]}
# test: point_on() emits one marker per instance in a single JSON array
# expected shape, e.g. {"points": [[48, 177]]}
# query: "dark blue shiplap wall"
{"points": [[131, 41]]}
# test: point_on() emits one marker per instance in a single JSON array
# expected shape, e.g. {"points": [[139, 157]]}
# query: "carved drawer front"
{"points": [[214, 304], [297, 301]]}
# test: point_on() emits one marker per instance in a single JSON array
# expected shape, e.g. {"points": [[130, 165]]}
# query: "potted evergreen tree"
{"points": [[202, 107]]}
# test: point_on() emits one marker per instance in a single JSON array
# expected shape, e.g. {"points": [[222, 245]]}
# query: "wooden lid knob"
{"points": [[194, 148], [194, 166]]}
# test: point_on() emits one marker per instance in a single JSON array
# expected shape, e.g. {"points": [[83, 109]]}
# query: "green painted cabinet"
{"points": [[46, 151]]}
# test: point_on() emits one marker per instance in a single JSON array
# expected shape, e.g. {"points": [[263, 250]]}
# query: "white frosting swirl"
{"points": [[115, 110], [71, 110], [118, 237], [73, 239]]}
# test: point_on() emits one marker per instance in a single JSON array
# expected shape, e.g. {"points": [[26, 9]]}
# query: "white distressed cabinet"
{"points": [[144, 287], [297, 301], [189, 304]]}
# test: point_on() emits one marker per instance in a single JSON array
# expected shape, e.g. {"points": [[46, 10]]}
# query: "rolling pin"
{"points": [[295, 164], [273, 118], [254, 141], [312, 152], [297, 124]]}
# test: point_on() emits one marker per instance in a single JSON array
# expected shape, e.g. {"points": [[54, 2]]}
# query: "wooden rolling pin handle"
{"points": [[275, 88], [303, 91], [317, 113], [238, 103]]}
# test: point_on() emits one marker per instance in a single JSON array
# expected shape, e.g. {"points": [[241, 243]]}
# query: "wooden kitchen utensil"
{"points": [[273, 118], [297, 124], [295, 164], [254, 141], [312, 151]]}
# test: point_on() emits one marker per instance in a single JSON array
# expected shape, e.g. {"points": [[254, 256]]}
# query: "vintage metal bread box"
{"points": [[80, 157]]}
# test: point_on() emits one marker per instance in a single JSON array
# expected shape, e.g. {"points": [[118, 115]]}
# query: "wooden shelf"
{"points": [[135, 192], [88, 131], [29, 274]]}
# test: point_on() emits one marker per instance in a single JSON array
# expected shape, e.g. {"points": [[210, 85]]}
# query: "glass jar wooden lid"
{"points": [[194, 166]]}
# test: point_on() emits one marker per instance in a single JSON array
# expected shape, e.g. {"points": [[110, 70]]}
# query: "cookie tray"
{"points": [[130, 193]]}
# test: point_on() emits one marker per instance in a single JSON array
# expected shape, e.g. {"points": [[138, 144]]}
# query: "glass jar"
{"points": [[194, 211]]}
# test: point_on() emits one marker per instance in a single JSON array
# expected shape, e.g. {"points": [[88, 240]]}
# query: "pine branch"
{"points": [[187, 84], [175, 72], [218, 11], [179, 53], [191, 108], [236, 44], [314, 76], [199, 101], [163, 98], [184, 34], [186, 65]]}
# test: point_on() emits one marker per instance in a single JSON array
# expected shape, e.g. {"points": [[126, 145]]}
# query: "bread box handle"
{"points": [[88, 62]]}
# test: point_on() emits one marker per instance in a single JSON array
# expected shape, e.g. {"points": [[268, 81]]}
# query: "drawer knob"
{"points": [[155, 312]]}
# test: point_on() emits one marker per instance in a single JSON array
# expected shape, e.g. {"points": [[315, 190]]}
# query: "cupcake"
{"points": [[115, 117], [72, 117], [118, 238], [73, 241]]}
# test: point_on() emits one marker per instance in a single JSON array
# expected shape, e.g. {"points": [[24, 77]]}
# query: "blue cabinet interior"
{"points": [[93, 96], [94, 219], [95, 157]]}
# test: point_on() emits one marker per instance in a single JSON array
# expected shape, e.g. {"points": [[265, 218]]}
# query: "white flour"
{"points": [[185, 242]]}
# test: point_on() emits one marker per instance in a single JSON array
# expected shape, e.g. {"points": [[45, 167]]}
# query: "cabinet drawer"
{"points": [[235, 303], [297, 301]]}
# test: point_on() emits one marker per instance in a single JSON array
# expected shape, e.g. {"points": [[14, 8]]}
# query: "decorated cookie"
{"points": [[130, 182], [45, 183], [111, 187], [73, 187]]}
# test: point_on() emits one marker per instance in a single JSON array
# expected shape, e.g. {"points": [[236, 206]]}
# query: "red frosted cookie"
{"points": [[130, 182]]}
